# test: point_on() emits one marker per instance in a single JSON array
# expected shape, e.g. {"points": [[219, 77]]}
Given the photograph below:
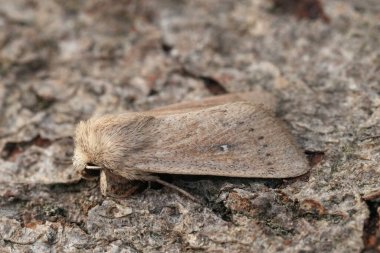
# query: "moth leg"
{"points": [[110, 183], [149, 185], [178, 189], [147, 177], [103, 183], [124, 195]]}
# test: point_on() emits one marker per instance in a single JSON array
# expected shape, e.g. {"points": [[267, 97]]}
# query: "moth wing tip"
{"points": [[302, 168]]}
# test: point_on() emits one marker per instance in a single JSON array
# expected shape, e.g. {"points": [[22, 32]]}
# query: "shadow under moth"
{"points": [[231, 135]]}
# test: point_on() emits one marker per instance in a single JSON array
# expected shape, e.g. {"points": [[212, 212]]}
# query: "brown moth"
{"points": [[223, 136]]}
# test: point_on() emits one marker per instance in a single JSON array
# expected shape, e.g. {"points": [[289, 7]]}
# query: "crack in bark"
{"points": [[211, 84], [371, 228]]}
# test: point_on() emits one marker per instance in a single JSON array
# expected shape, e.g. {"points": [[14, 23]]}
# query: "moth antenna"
{"points": [[176, 188]]}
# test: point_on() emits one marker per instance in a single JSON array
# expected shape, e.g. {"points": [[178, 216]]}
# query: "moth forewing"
{"points": [[236, 140]]}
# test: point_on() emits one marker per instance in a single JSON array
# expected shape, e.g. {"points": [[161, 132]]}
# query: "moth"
{"points": [[227, 136]]}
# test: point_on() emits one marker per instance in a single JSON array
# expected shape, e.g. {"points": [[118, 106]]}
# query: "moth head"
{"points": [[86, 161], [104, 142]]}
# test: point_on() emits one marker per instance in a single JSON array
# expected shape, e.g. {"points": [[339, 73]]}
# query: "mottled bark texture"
{"points": [[62, 61]]}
